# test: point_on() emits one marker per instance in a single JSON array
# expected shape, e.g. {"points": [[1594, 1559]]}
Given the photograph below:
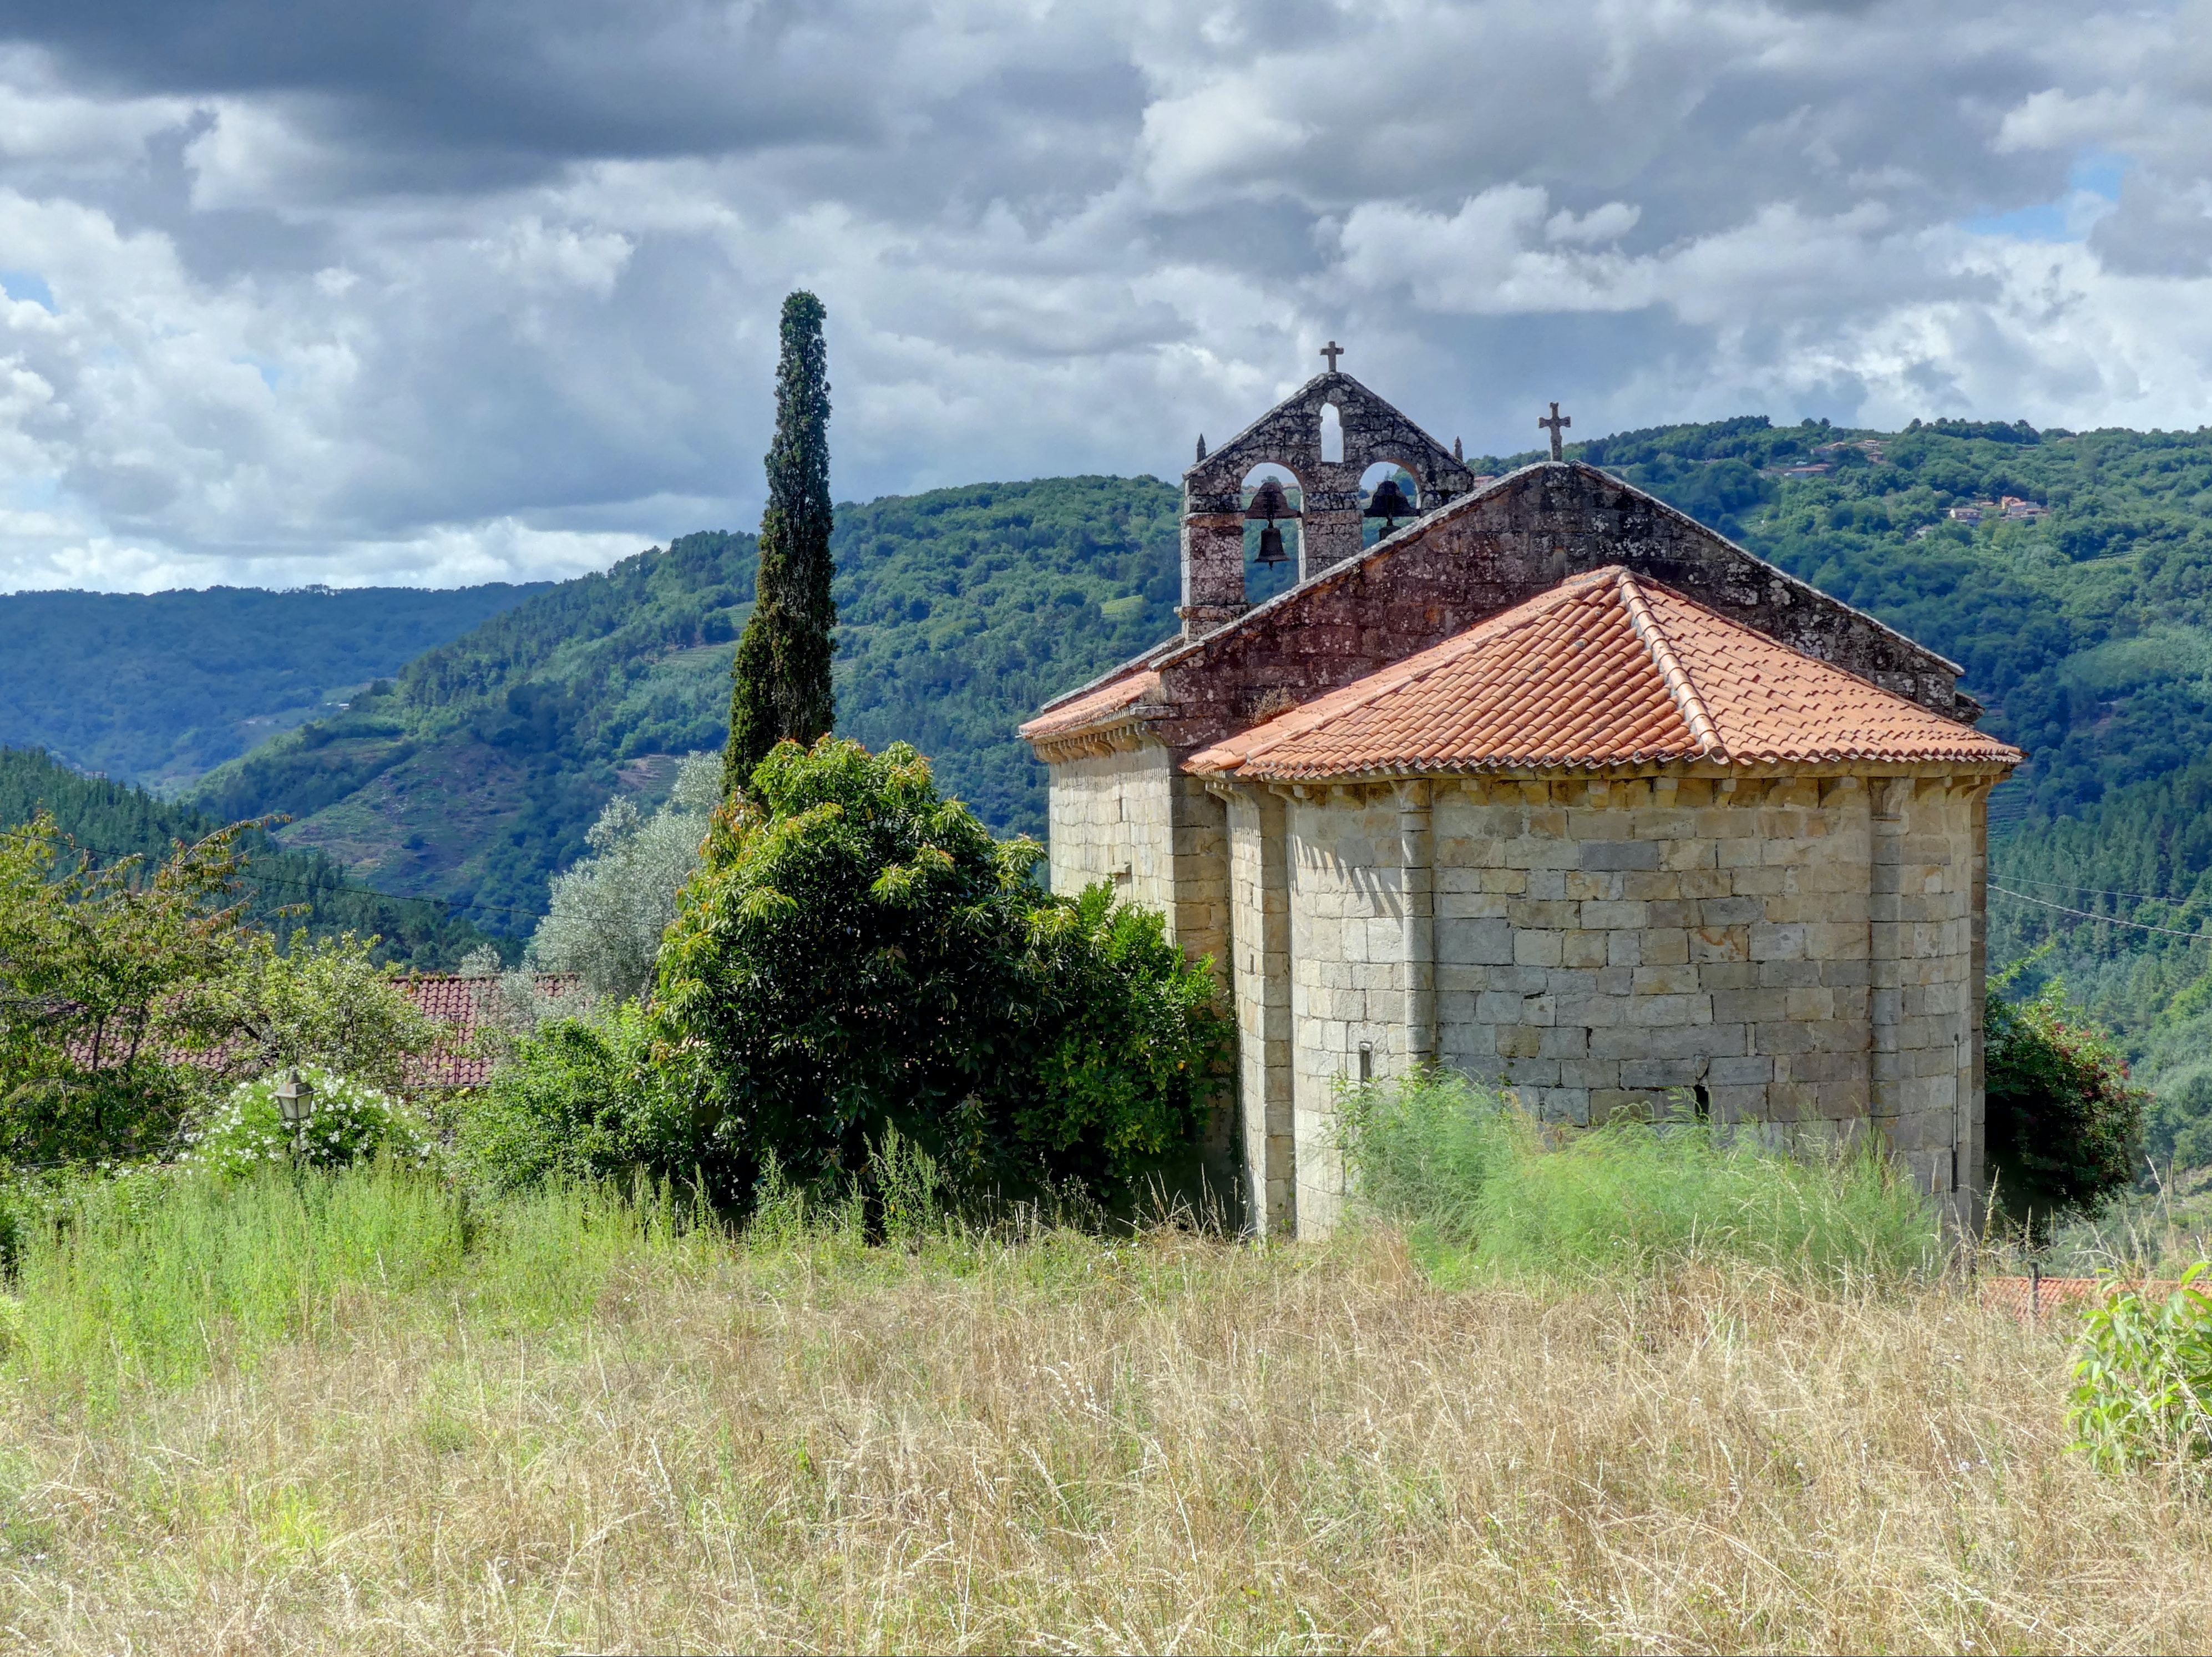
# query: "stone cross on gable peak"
{"points": [[1332, 351], [1553, 426]]}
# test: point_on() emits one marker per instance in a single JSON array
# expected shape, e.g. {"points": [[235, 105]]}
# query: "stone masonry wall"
{"points": [[1930, 844], [1803, 950], [1110, 816], [1260, 909], [1349, 974]]}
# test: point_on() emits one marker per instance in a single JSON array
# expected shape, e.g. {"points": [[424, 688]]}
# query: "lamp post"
{"points": [[296, 1100]]}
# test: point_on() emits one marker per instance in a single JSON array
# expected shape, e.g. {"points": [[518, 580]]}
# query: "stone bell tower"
{"points": [[1324, 434]]}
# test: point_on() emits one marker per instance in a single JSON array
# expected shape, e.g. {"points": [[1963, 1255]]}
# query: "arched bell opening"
{"points": [[1389, 499], [1274, 501], [1332, 435]]}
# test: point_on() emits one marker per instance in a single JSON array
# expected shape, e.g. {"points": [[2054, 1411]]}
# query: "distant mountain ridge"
{"points": [[282, 889], [475, 774], [156, 688]]}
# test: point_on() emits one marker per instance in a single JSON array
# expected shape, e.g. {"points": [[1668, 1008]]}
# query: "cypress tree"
{"points": [[781, 675]]}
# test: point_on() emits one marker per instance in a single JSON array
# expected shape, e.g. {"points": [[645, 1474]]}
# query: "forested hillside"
{"points": [[2084, 620], [157, 687], [476, 771], [282, 890], [2086, 627]]}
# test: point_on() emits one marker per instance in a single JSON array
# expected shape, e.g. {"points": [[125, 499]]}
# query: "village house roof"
{"points": [[1607, 668], [460, 1004]]}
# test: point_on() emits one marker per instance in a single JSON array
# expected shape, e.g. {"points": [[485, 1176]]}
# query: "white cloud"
{"points": [[474, 295]]}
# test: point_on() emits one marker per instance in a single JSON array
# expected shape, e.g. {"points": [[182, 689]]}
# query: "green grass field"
{"points": [[356, 1413]]}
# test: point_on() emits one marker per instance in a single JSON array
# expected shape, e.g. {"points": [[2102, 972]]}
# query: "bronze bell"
{"points": [[1271, 547], [1389, 503], [1268, 502]]}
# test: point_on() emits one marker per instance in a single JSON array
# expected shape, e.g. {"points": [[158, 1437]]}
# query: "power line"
{"points": [[2109, 920], [2099, 891]]}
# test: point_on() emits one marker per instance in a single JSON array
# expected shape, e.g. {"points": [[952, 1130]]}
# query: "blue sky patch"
{"points": [[23, 284], [2093, 186]]}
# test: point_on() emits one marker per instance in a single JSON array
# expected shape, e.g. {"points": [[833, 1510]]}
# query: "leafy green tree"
{"points": [[324, 1002], [781, 687], [91, 961], [2064, 1123], [858, 954], [2178, 1125]]}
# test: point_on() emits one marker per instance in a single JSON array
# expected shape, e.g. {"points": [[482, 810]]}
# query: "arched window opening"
{"points": [[1377, 474], [1332, 434], [1281, 474], [1272, 562], [1389, 499]]}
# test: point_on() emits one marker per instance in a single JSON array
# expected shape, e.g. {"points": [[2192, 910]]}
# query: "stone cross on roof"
{"points": [[1553, 426], [1333, 350]]}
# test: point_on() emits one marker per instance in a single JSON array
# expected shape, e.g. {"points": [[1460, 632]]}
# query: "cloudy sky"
{"points": [[439, 291]]}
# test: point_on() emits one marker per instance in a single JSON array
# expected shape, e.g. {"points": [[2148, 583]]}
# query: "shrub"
{"points": [[858, 956], [1126, 1036], [351, 1121], [1484, 1187], [2142, 1382], [90, 959], [581, 1099], [2065, 1125]]}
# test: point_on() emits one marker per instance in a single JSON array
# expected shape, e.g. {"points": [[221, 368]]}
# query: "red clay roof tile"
{"points": [[1092, 708], [1606, 668]]}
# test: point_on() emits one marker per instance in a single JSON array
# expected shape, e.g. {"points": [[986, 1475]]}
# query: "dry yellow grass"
{"points": [[1065, 1445]]}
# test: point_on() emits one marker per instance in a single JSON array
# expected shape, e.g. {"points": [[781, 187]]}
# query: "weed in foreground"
{"points": [[1484, 1189], [160, 1279], [2142, 1378]]}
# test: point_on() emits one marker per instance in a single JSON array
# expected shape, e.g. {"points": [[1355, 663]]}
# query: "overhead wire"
{"points": [[2089, 915], [2099, 891]]}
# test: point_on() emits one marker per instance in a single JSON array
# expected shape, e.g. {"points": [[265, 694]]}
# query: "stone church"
{"points": [[1550, 786]]}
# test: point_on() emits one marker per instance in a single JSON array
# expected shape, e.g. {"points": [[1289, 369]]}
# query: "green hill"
{"points": [[475, 771], [157, 687], [2086, 626], [282, 888]]}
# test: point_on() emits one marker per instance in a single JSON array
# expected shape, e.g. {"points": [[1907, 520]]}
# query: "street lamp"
{"points": [[296, 1101]]}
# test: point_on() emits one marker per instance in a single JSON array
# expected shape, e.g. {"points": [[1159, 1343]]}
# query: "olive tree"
{"points": [[608, 912]]}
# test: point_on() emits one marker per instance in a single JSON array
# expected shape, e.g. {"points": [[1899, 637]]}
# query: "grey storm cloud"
{"points": [[444, 293]]}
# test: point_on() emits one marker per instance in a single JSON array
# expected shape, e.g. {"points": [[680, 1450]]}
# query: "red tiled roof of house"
{"points": [[1606, 668], [458, 1003], [447, 999], [1092, 707]]}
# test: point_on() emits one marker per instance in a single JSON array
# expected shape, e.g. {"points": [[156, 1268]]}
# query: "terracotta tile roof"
{"points": [[458, 1003], [1606, 668], [1092, 708]]}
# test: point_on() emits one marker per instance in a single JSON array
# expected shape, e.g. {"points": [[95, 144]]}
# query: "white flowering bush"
{"points": [[351, 1121]]}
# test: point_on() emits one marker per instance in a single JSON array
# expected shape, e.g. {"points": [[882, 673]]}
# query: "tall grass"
{"points": [[354, 1412], [1481, 1187], [160, 1279]]}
